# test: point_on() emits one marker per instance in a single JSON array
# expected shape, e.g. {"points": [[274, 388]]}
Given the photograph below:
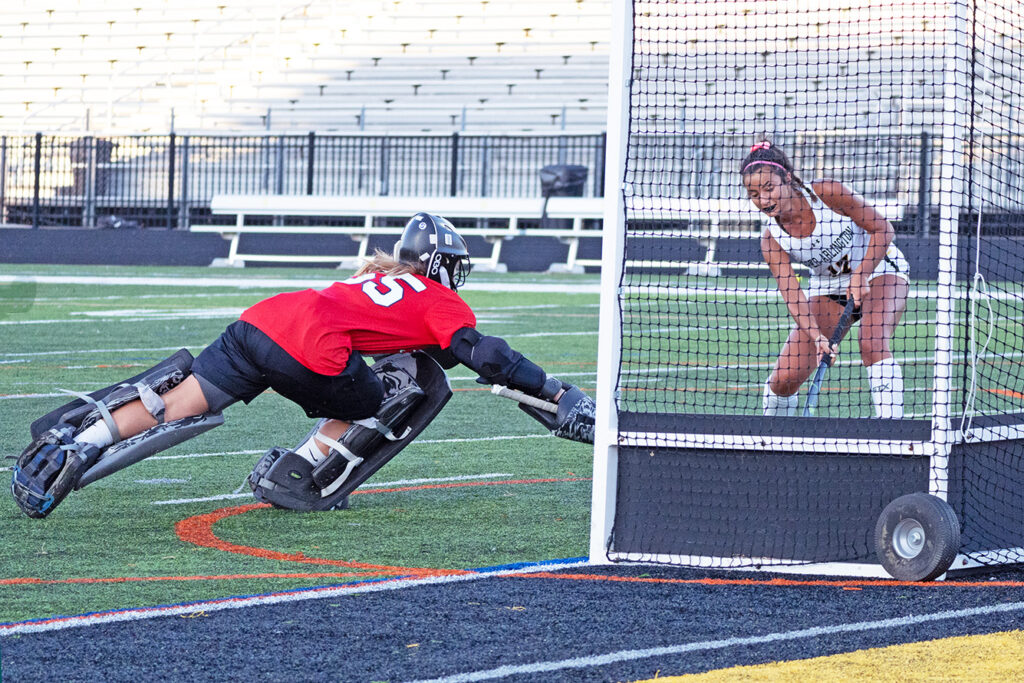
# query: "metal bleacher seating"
{"points": [[394, 65]]}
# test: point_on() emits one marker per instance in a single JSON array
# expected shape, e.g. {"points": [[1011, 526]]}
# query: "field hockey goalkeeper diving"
{"points": [[308, 346]]}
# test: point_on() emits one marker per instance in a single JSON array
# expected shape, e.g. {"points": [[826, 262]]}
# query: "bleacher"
{"points": [[447, 65], [396, 65], [438, 67]]}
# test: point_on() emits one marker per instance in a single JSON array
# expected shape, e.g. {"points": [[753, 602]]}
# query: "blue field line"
{"points": [[63, 621], [527, 565]]}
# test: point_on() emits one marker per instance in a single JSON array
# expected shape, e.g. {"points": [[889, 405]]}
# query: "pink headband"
{"points": [[759, 161]]}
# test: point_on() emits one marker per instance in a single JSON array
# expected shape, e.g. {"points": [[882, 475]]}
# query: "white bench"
{"points": [[709, 220], [510, 210]]}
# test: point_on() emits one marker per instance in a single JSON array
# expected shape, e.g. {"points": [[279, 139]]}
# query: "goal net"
{"points": [[901, 127]]}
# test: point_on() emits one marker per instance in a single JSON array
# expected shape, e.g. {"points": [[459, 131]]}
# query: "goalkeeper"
{"points": [[308, 346], [847, 245]]}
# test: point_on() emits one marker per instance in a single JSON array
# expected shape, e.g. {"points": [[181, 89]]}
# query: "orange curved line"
{"points": [[198, 530]]}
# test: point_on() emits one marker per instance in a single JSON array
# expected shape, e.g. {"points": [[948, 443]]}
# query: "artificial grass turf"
{"points": [[85, 336]]}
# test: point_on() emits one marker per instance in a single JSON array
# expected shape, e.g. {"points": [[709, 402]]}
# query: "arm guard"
{"points": [[498, 363]]}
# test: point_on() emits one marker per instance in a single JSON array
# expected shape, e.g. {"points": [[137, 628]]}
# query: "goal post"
{"points": [[702, 455], [609, 345]]}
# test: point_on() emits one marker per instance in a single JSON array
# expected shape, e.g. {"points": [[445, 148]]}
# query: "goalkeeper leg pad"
{"points": [[150, 442], [416, 390], [147, 385]]}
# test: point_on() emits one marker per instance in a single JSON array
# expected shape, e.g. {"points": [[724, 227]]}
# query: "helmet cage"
{"points": [[449, 269], [431, 242]]}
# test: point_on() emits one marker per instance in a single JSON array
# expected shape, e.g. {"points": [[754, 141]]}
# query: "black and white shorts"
{"points": [[244, 362]]}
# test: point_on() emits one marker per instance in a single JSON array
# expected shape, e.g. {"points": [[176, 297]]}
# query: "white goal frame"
{"points": [[945, 427]]}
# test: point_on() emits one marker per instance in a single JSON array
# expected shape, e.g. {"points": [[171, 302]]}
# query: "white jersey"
{"points": [[835, 249]]}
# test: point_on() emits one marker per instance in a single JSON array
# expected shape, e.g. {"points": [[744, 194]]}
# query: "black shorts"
{"points": [[842, 301], [244, 362]]}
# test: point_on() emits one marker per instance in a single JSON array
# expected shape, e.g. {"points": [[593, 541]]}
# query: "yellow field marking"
{"points": [[992, 658]]}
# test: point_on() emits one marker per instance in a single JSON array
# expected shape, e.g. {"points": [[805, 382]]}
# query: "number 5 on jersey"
{"points": [[389, 290]]}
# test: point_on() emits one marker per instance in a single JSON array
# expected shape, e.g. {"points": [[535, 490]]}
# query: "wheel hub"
{"points": [[908, 539]]}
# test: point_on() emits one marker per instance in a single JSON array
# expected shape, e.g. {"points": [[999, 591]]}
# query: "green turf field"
{"points": [[85, 336], [706, 346], [484, 485]]}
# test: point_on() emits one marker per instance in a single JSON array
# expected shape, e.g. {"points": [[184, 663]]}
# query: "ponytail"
{"points": [[766, 156]]}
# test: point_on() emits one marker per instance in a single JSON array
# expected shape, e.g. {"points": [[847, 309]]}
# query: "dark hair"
{"points": [[774, 157]]}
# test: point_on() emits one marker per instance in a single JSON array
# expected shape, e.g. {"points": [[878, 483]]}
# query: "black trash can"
{"points": [[560, 180]]}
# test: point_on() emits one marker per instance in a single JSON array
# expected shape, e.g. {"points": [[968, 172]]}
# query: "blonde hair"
{"points": [[383, 262]]}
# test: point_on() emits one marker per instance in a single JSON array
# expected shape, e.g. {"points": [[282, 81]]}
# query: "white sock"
{"points": [[886, 380], [774, 404], [98, 434], [310, 451]]}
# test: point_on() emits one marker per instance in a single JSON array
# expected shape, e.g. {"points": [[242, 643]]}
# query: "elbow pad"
{"points": [[498, 363]]}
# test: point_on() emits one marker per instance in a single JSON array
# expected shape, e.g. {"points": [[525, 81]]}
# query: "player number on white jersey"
{"points": [[841, 267]]}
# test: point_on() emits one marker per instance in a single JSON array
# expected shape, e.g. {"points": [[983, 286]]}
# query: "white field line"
{"points": [[900, 623], [632, 293], [907, 321], [215, 312], [903, 360], [418, 441], [74, 321], [213, 295], [202, 455], [378, 485], [285, 284], [94, 317], [72, 351], [207, 606], [136, 297], [146, 315], [54, 394], [187, 456]]}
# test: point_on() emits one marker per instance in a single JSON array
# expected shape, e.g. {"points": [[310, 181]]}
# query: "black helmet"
{"points": [[431, 242]]}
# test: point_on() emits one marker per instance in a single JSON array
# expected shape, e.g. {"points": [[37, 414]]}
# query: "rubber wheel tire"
{"points": [[917, 537]]}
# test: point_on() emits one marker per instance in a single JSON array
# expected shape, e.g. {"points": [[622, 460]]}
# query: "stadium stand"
{"points": [[398, 65]]}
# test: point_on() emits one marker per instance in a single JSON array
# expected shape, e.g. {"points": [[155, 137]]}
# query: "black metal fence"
{"points": [[167, 181]]}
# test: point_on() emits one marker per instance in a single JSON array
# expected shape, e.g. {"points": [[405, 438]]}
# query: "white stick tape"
{"points": [[524, 398]]}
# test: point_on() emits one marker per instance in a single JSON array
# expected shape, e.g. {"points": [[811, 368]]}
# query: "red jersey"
{"points": [[372, 314]]}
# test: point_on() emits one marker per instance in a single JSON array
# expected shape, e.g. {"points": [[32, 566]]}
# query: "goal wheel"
{"points": [[917, 537]]}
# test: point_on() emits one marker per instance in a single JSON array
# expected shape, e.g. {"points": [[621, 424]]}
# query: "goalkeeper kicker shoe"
{"points": [[48, 470]]}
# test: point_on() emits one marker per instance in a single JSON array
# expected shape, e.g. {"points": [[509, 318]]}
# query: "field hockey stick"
{"points": [[526, 399], [842, 327]]}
